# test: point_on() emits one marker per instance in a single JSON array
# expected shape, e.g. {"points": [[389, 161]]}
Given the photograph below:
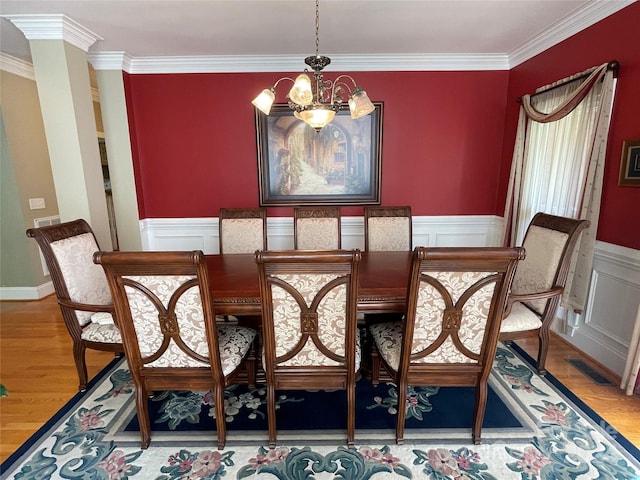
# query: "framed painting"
{"points": [[337, 165], [630, 164]]}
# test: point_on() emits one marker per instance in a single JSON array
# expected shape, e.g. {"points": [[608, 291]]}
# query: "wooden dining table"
{"points": [[383, 282]]}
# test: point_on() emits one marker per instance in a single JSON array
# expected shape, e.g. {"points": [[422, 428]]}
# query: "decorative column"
{"points": [[59, 49], [109, 68]]}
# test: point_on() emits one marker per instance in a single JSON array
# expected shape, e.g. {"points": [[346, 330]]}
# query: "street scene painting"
{"points": [[339, 164]]}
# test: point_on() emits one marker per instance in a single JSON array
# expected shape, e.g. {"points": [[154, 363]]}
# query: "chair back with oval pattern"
{"points": [[456, 299], [169, 329], [309, 329]]}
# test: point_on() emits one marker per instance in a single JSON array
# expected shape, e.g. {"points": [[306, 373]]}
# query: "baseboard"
{"points": [[26, 293], [614, 376]]}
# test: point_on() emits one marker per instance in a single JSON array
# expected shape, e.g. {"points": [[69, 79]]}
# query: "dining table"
{"points": [[382, 282]]}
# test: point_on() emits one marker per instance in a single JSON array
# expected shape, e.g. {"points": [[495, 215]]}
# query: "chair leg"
{"points": [[351, 413], [251, 366], [143, 416], [271, 414], [375, 365], [479, 410], [402, 410], [81, 364], [543, 348], [221, 426]]}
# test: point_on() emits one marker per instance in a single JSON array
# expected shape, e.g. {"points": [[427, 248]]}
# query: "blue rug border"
{"points": [[15, 456], [586, 409]]}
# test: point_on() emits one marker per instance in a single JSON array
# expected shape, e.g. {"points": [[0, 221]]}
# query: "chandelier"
{"points": [[316, 101]]}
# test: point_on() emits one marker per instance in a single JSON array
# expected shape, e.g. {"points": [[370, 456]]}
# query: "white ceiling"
{"points": [[513, 29]]}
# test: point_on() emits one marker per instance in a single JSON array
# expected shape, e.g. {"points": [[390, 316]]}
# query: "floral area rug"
{"points": [[533, 429]]}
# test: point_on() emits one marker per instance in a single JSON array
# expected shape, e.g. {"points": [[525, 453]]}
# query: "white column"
{"points": [[109, 68], [59, 52]]}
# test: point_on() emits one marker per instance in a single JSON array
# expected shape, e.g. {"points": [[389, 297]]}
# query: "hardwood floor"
{"points": [[38, 370], [36, 367]]}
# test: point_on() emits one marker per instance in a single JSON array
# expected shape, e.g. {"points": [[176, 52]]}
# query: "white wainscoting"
{"points": [[202, 233], [605, 330]]}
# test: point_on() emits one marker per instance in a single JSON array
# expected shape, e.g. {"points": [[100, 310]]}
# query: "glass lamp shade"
{"points": [[359, 104], [301, 92], [264, 101], [316, 117]]}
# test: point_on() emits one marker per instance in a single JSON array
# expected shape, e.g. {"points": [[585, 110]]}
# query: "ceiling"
{"points": [[515, 29]]}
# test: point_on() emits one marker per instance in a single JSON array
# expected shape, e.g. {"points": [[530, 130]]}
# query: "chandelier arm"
{"points": [[345, 76], [280, 79], [339, 85]]}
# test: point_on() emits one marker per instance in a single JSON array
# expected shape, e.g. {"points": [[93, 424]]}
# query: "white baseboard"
{"points": [[26, 293]]}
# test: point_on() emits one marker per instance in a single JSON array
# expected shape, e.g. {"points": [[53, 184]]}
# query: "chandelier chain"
{"points": [[317, 27]]}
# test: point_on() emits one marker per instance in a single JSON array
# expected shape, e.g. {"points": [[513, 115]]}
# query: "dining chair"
{"points": [[171, 338], [456, 299], [81, 289], [316, 228], [310, 337], [540, 279], [243, 230], [387, 228]]}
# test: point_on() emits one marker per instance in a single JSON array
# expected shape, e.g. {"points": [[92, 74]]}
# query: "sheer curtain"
{"points": [[558, 164]]}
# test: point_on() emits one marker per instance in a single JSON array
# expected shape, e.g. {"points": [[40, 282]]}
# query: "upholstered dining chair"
{"points": [[81, 289], [171, 338], [310, 337], [540, 279], [456, 299], [243, 230], [316, 228], [387, 228]]}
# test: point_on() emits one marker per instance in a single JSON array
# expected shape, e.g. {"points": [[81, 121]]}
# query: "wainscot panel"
{"points": [[202, 233], [605, 329]]}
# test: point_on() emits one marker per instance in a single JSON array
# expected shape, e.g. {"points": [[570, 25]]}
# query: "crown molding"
{"points": [[289, 63], [62, 27], [17, 66], [571, 24], [54, 27], [110, 61]]}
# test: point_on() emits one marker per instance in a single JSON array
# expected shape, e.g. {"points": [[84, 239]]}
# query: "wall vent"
{"points": [[44, 222]]}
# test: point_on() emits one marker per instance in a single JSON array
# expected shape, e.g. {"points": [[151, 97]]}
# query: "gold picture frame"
{"points": [[630, 164]]}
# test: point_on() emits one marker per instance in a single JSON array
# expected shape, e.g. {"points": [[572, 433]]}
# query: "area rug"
{"points": [[534, 429]]}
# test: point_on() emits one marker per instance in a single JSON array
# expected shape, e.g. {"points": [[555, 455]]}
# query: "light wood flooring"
{"points": [[37, 369]]}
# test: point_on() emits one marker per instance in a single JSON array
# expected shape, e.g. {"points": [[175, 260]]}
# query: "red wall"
{"points": [[447, 136], [195, 141], [615, 37]]}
